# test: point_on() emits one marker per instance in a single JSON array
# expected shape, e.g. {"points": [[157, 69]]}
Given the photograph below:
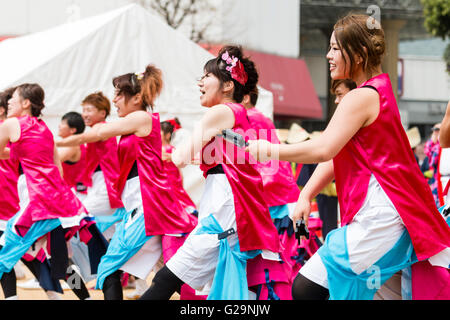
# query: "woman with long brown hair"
{"points": [[389, 218]]}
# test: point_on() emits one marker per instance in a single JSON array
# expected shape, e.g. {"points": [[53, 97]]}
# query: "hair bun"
{"points": [[379, 44]]}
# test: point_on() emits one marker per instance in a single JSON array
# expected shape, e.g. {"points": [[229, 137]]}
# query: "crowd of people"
{"points": [[108, 203]]}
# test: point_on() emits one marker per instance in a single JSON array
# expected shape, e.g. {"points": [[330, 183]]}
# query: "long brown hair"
{"points": [[355, 37]]}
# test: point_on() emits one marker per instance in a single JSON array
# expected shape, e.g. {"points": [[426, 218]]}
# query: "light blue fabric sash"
{"points": [[16, 246], [124, 244], [104, 222], [230, 278], [279, 212], [441, 209], [344, 283]]}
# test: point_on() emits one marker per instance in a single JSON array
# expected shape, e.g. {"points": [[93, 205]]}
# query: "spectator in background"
{"points": [[414, 140], [339, 88], [422, 159], [432, 149]]}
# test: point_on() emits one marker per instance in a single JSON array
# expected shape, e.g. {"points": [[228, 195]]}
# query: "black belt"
{"points": [[226, 234], [215, 170], [80, 187]]}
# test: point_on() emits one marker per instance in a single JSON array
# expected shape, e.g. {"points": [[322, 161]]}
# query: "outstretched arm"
{"points": [[357, 109], [138, 123], [81, 138], [213, 122]]}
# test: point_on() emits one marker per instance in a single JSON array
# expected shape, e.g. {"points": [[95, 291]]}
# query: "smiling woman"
{"points": [[101, 167], [386, 207]]}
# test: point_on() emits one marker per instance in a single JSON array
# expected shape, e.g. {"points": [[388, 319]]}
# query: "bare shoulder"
{"points": [[140, 116], [362, 94], [11, 122], [217, 118], [360, 98], [12, 128], [220, 110], [141, 121]]}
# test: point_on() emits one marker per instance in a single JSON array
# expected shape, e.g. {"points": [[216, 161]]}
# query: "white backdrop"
{"points": [[75, 59]]}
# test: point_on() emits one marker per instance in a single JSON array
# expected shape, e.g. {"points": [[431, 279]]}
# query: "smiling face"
{"points": [[120, 103], [125, 105], [91, 115], [210, 89], [338, 68], [17, 106]]}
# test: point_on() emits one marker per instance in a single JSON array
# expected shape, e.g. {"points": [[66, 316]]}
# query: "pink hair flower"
{"points": [[235, 68], [225, 56]]}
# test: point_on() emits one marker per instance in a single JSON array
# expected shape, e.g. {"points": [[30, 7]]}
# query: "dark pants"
{"points": [[328, 213]]}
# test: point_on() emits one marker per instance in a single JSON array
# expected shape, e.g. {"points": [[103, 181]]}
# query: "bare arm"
{"points": [[322, 176], [357, 109], [138, 123], [213, 122], [81, 138], [57, 161], [9, 131], [67, 153], [444, 134]]}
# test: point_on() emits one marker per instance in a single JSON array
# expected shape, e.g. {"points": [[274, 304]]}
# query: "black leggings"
{"points": [[112, 287], [9, 284], [305, 289], [76, 283], [9, 280], [73, 279], [164, 285]]}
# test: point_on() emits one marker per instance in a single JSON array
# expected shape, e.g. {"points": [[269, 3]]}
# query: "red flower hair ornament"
{"points": [[235, 67], [175, 124]]}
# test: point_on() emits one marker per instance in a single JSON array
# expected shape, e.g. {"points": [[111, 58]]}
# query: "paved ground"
{"points": [[39, 294]]}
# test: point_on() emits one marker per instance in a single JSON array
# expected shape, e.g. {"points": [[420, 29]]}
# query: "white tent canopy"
{"points": [[75, 59]]}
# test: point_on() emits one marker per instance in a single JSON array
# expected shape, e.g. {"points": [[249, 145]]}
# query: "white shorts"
{"points": [[97, 202], [373, 232], [145, 260], [195, 262]]}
